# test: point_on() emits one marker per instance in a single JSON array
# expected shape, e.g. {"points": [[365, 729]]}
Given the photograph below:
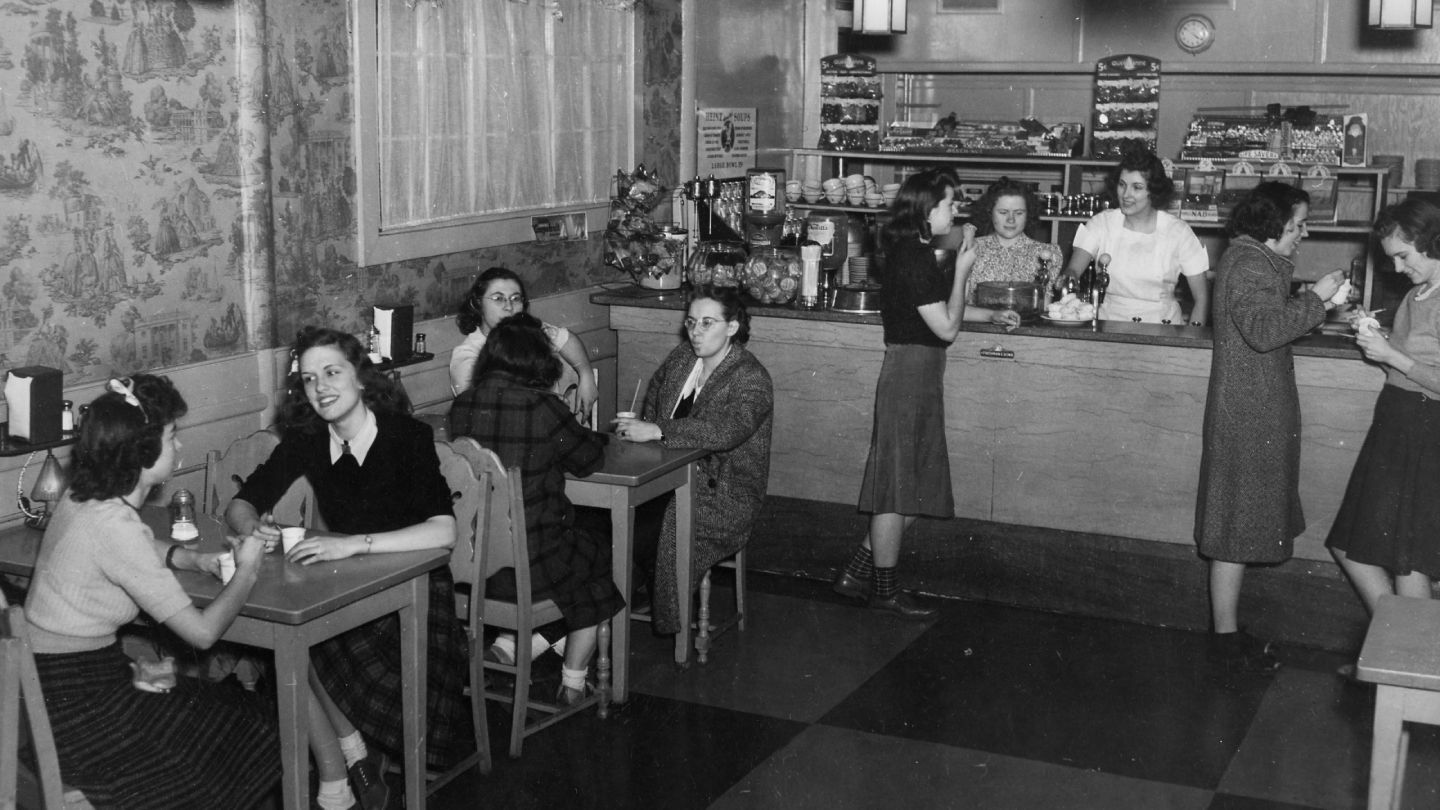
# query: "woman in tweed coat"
{"points": [[710, 392], [1248, 504]]}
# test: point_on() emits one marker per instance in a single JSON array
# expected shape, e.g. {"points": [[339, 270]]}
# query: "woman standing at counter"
{"points": [[907, 474], [1248, 504], [1387, 534], [1149, 248], [1004, 250]]}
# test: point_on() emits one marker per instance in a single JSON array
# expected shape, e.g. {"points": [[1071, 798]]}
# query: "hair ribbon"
{"points": [[125, 387]]}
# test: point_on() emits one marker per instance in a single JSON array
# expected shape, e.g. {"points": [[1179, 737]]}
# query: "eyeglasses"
{"points": [[501, 300], [704, 323]]}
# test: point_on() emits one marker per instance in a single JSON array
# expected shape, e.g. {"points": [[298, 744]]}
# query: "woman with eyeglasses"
{"points": [[496, 295], [709, 392]]}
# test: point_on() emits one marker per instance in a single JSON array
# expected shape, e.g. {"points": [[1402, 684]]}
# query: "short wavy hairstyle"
{"points": [[1265, 210], [380, 392], [1413, 220], [984, 208], [119, 440], [472, 309], [732, 304], [918, 196], [519, 347], [1162, 188]]}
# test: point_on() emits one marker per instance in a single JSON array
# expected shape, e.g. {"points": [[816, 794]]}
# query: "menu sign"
{"points": [[726, 142]]}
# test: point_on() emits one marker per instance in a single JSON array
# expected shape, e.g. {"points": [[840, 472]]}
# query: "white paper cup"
{"points": [[227, 567], [289, 536], [626, 415]]}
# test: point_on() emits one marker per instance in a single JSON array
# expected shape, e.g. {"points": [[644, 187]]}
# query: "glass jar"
{"points": [[719, 262], [772, 275]]}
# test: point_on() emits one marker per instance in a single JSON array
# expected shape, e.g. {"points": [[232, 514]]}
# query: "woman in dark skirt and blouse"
{"points": [[379, 489], [511, 410], [199, 745], [1387, 534], [907, 474]]}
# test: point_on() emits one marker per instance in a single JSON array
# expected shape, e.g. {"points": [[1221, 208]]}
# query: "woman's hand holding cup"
{"points": [[630, 428]]}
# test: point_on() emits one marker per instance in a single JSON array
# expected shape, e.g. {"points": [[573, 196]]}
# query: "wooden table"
{"points": [[631, 475], [293, 607], [1401, 657]]}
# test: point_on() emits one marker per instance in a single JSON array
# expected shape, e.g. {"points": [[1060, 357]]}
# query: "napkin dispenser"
{"points": [[34, 396], [396, 326]]}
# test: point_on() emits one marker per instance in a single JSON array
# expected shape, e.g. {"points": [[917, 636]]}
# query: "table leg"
{"points": [[412, 687], [684, 545], [1386, 748], [622, 550], [292, 693]]}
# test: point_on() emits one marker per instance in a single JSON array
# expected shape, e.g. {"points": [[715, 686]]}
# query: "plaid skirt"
{"points": [[360, 669], [200, 745], [908, 469]]}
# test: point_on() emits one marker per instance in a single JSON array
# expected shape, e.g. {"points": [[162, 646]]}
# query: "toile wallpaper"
{"points": [[177, 182]]}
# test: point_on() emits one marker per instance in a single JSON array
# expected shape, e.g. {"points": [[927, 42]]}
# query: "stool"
{"points": [[707, 632], [1401, 658]]}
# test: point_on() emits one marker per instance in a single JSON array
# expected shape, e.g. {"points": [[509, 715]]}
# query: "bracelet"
{"points": [[369, 543], [170, 558]]}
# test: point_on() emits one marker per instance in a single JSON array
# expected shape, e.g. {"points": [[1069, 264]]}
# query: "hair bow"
{"points": [[125, 387]]}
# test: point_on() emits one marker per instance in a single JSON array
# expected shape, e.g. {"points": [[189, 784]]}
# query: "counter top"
{"points": [[1328, 341]]}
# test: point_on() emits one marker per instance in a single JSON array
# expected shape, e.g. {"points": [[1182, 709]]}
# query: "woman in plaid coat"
{"points": [[511, 410]]}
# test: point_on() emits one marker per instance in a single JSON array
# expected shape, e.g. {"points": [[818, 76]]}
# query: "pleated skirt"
{"points": [[907, 471], [200, 745], [1390, 515]]}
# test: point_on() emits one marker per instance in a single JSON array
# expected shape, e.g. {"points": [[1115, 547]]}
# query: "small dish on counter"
{"points": [[1064, 321]]}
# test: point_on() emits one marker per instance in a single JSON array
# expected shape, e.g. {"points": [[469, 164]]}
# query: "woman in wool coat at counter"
{"points": [[1248, 504]]}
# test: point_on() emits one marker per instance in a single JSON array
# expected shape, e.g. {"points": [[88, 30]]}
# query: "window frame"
{"points": [[377, 245]]}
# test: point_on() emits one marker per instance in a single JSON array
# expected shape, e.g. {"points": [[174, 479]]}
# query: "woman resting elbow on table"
{"points": [[1148, 248], [199, 745], [511, 410], [496, 295], [379, 489], [710, 393]]}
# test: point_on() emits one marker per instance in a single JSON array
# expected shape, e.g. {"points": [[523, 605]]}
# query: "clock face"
{"points": [[1194, 33]]}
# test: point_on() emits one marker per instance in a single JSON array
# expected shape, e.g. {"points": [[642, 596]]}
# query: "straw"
{"points": [[636, 398]]}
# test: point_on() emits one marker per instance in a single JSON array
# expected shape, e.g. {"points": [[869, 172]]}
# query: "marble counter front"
{"points": [[1085, 428]]}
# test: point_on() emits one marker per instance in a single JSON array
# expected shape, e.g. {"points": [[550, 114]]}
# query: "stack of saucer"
{"points": [[1427, 174], [1396, 165], [859, 269]]}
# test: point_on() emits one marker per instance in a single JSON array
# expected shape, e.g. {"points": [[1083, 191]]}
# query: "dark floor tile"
{"points": [[1123, 698], [651, 752]]}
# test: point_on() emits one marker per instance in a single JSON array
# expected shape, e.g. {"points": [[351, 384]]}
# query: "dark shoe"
{"points": [[851, 587], [1240, 652], [367, 779], [905, 606]]}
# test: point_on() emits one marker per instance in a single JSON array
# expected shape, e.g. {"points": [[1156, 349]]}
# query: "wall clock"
{"points": [[1194, 33]]}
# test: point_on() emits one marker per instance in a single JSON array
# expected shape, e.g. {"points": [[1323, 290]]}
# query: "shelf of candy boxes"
{"points": [[853, 189]]}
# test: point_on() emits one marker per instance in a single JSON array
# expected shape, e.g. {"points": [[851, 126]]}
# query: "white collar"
{"points": [[360, 445]]}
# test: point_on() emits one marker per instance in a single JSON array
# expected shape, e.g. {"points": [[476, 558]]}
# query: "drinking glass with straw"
{"points": [[631, 414]]}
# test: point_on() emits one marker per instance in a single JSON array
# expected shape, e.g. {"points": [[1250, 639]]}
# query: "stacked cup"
{"points": [[812, 191], [834, 190], [793, 189], [890, 191], [855, 188], [859, 267], [874, 199]]}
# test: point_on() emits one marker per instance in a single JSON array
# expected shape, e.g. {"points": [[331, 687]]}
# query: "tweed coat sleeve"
{"points": [[738, 399], [1258, 299]]}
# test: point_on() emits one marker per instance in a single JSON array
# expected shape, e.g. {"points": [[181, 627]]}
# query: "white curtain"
{"points": [[491, 106]]}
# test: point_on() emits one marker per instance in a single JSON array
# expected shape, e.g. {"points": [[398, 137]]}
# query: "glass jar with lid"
{"points": [[772, 274], [717, 261]]}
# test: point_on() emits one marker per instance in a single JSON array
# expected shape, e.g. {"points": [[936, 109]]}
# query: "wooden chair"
{"points": [[20, 682], [471, 495], [1401, 658], [505, 544], [224, 473], [705, 631]]}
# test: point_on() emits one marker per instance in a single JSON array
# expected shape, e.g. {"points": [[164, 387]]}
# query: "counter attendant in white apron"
{"points": [[1148, 248]]}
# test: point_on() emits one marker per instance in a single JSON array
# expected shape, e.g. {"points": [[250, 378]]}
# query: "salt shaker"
{"points": [[182, 516]]}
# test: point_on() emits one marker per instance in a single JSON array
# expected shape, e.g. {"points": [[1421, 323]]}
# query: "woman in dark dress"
{"points": [[200, 744], [907, 474], [379, 489], [1248, 504], [511, 410]]}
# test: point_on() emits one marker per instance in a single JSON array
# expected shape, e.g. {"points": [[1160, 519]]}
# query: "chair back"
{"points": [[20, 680], [504, 538], [224, 473], [470, 500]]}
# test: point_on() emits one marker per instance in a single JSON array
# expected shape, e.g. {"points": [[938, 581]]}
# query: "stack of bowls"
{"points": [[889, 191], [859, 267], [834, 190], [812, 191], [1427, 174], [793, 191], [1396, 165], [874, 199], [855, 188]]}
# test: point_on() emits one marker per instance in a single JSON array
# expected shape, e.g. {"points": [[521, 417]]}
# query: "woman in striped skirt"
{"points": [[198, 745]]}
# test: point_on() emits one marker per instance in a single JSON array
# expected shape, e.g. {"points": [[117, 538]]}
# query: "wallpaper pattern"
{"points": [[177, 182]]}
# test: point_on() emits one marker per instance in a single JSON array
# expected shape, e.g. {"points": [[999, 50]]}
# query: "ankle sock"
{"points": [[573, 678], [504, 647], [352, 746], [335, 795], [885, 585], [861, 565]]}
